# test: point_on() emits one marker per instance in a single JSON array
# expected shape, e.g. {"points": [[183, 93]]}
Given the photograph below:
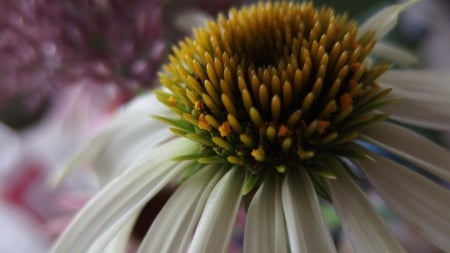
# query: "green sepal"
{"points": [[178, 131], [211, 159], [251, 180], [189, 157], [325, 171], [363, 120], [190, 170], [352, 151], [370, 97], [200, 139], [178, 123], [373, 105], [180, 106], [319, 185]]}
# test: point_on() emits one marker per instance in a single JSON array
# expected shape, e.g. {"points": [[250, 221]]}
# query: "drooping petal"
{"points": [[306, 227], [135, 132], [432, 83], [128, 145], [383, 21], [411, 146], [86, 153], [213, 232], [117, 202], [119, 137], [363, 226], [190, 19], [119, 241], [423, 98], [141, 106], [265, 227], [394, 54], [420, 97], [175, 223], [431, 114], [419, 201]]}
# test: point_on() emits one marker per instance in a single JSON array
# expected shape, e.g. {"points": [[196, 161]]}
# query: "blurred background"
{"points": [[67, 66]]}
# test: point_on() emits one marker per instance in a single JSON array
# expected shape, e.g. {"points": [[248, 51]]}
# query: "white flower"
{"points": [[279, 141]]}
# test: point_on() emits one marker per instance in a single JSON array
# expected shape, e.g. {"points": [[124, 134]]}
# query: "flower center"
{"points": [[272, 86]]}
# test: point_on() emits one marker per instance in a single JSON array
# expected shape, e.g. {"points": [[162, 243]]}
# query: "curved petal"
{"points": [[175, 223], [427, 82], [213, 232], [118, 137], [128, 145], [394, 54], [187, 20], [363, 226], [131, 140], [265, 228], [306, 227], [116, 203], [88, 152], [429, 114], [141, 106], [119, 241], [419, 201], [419, 97], [383, 21], [423, 86], [411, 146]]}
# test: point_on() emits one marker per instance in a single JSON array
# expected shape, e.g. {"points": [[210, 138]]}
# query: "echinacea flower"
{"points": [[274, 106]]}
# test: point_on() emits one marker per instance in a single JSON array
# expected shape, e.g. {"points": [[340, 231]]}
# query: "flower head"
{"points": [[274, 104], [274, 87]]}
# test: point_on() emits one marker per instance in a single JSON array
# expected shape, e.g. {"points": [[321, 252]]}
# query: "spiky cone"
{"points": [[274, 106], [274, 87]]}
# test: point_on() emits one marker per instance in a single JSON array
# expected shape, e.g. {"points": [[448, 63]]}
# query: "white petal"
{"points": [[120, 243], [429, 114], [176, 222], [265, 227], [394, 54], [117, 202], [431, 83], [141, 106], [419, 201], [366, 231], [128, 145], [306, 227], [420, 97], [134, 133], [213, 233], [120, 239], [88, 152], [190, 19], [410, 146], [118, 137], [383, 21], [424, 98]]}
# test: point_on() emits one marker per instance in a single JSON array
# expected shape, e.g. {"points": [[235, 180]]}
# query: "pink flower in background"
{"points": [[33, 153], [47, 44]]}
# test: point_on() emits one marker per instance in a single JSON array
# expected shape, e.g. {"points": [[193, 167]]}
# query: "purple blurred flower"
{"points": [[46, 44]]}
